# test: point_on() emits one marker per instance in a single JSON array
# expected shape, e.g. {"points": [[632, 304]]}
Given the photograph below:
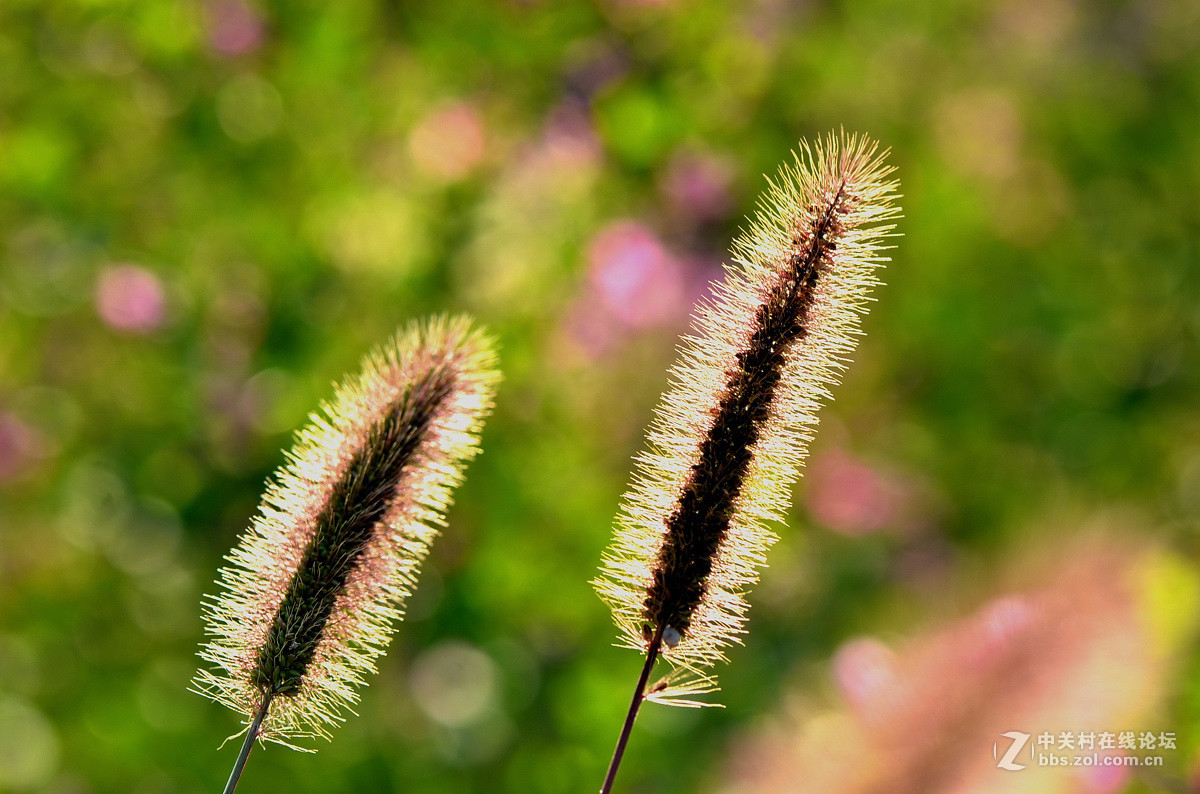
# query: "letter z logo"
{"points": [[1009, 760]]}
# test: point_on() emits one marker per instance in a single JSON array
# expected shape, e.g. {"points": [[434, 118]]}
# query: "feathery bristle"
{"points": [[315, 586], [729, 436]]}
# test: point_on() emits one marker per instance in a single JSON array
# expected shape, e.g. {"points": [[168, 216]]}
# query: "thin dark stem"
{"points": [[639, 695], [247, 745]]}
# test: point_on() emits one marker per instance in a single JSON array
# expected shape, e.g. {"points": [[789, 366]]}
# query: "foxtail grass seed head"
{"points": [[315, 586], [729, 436]]}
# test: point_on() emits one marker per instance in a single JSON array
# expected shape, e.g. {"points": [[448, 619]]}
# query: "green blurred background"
{"points": [[210, 210]]}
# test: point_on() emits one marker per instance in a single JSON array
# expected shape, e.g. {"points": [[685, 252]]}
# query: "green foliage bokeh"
{"points": [[283, 183]]}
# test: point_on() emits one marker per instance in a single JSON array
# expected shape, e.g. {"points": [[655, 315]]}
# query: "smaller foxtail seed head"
{"points": [[316, 585]]}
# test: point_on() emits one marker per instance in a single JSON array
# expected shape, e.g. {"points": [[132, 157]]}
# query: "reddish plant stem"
{"points": [[639, 695]]}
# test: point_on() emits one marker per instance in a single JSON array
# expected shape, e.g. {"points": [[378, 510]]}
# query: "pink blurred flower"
{"points": [[1070, 650], [19, 447], [234, 28], [634, 275], [448, 143], [1104, 779], [999, 624], [130, 298], [852, 498], [697, 185], [865, 672]]}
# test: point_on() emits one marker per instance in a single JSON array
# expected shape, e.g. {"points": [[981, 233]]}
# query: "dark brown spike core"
{"points": [[706, 502], [346, 525]]}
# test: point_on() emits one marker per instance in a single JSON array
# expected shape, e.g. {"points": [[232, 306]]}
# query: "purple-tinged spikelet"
{"points": [[728, 438], [316, 585]]}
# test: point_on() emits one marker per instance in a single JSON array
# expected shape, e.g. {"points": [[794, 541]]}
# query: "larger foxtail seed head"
{"points": [[315, 586], [729, 436]]}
